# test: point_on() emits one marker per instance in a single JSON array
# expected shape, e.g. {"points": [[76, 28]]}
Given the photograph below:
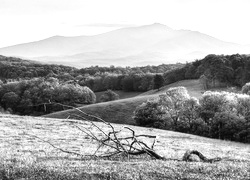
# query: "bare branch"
{"points": [[60, 149]]}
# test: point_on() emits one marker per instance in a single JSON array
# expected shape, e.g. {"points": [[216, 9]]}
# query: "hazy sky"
{"points": [[29, 20]]}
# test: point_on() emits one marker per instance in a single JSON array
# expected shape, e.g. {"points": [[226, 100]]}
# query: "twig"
{"points": [[60, 149]]}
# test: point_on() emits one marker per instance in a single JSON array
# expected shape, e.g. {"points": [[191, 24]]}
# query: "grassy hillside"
{"points": [[121, 111], [26, 157], [194, 88]]}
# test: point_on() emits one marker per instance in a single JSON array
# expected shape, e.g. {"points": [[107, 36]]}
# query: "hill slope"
{"points": [[150, 44], [26, 157], [121, 111]]}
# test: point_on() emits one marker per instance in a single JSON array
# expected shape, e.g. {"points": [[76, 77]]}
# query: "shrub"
{"points": [[149, 114], [109, 95]]}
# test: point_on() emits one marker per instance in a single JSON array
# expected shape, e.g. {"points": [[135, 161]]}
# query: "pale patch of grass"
{"points": [[194, 88], [27, 157]]}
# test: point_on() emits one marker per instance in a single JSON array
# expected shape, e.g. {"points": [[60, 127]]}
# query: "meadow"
{"points": [[24, 156]]}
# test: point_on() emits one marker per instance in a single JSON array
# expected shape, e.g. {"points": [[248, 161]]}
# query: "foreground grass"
{"points": [[121, 111], [26, 157]]}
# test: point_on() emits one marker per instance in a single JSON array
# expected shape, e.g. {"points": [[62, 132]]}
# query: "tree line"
{"points": [[95, 77], [28, 97], [219, 115], [214, 71]]}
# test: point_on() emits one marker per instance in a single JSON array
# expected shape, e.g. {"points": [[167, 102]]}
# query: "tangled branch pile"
{"points": [[117, 142]]}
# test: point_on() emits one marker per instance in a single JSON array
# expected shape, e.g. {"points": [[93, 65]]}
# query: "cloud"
{"points": [[105, 25]]}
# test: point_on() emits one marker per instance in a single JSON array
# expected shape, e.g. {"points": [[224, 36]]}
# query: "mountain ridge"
{"points": [[148, 44]]}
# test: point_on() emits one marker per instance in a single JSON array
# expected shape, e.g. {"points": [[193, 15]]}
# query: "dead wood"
{"points": [[188, 153]]}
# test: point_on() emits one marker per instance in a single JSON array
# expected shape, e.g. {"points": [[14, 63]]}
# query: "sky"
{"points": [[31, 20]]}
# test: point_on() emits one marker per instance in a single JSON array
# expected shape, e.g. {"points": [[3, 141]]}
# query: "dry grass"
{"points": [[26, 157]]}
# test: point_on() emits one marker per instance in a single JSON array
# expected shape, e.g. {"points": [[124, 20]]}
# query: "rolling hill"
{"points": [[135, 46], [25, 153], [121, 111]]}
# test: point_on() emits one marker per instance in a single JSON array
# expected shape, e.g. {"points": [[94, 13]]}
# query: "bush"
{"points": [[149, 114], [109, 95]]}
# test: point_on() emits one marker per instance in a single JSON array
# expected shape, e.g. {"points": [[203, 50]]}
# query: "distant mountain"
{"points": [[150, 44]]}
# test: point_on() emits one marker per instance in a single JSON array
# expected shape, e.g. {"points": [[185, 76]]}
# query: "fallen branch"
{"points": [[188, 154]]}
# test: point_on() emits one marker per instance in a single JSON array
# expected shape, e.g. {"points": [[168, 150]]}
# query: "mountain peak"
{"points": [[159, 25], [154, 43]]}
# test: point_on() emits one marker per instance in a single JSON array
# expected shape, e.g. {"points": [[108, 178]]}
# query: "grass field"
{"points": [[25, 157], [121, 111]]}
